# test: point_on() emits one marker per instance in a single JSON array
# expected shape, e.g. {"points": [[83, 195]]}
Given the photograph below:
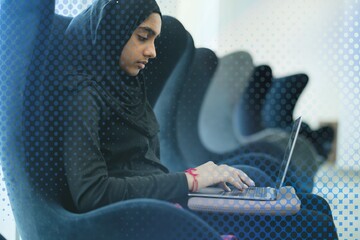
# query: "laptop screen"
{"points": [[288, 152]]}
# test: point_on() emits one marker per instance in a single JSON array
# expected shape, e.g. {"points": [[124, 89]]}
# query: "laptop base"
{"points": [[251, 193]]}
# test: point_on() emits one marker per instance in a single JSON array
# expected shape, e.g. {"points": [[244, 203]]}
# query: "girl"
{"points": [[110, 145]]}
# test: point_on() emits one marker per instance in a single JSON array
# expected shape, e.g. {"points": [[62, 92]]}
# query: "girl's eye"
{"points": [[141, 38]]}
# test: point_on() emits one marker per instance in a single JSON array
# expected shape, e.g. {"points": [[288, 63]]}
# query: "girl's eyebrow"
{"points": [[149, 30]]}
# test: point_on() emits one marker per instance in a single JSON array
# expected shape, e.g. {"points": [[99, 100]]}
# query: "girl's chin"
{"points": [[132, 72]]}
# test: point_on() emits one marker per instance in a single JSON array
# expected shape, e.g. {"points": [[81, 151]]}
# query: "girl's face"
{"points": [[141, 46]]}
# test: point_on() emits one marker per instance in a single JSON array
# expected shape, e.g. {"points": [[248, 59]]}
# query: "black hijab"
{"points": [[96, 38]]}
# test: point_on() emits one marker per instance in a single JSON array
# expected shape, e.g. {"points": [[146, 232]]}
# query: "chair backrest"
{"points": [[194, 87], [27, 34], [170, 48], [44, 207], [247, 111], [229, 82], [47, 174], [280, 101], [166, 105]]}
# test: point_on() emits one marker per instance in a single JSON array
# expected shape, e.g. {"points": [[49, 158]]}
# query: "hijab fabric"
{"points": [[96, 38]]}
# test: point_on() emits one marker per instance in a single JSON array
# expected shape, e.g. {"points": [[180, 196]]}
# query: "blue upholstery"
{"points": [[280, 104], [159, 69], [215, 120], [187, 108], [268, 104], [306, 224], [252, 101], [280, 101], [165, 109]]}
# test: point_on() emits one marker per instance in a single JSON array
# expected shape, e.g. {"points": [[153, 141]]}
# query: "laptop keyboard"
{"points": [[252, 192]]}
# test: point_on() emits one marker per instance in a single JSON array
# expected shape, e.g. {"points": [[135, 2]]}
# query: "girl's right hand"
{"points": [[209, 174]]}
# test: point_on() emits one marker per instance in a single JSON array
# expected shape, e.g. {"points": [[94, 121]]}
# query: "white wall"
{"points": [[291, 37], [200, 18], [348, 73], [7, 223]]}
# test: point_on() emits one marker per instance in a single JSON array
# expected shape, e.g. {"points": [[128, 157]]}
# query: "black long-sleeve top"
{"points": [[106, 160]]}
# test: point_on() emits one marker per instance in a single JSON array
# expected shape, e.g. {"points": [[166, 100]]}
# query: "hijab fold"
{"points": [[95, 40]]}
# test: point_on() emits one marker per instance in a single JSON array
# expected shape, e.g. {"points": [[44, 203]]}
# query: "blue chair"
{"points": [[278, 107], [34, 175], [236, 120], [266, 102], [164, 108], [159, 69]]}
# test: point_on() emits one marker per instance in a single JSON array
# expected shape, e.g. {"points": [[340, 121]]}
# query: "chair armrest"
{"points": [[137, 219]]}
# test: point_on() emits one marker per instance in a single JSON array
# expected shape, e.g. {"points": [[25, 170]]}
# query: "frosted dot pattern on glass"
{"points": [[275, 108]]}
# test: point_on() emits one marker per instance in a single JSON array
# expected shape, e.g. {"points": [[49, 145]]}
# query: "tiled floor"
{"points": [[341, 188]]}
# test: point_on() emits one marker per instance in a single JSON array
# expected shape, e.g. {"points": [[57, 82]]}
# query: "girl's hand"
{"points": [[209, 174]]}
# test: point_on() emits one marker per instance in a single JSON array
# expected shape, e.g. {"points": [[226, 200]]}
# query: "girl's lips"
{"points": [[141, 65]]}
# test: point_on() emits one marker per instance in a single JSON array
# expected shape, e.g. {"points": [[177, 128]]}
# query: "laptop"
{"points": [[257, 193]]}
